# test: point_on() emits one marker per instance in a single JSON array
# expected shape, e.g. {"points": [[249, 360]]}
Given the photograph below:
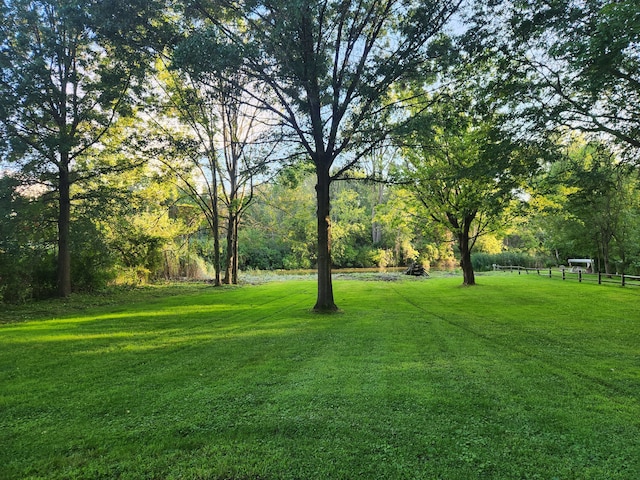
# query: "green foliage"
{"points": [[92, 260], [483, 262], [27, 261], [350, 235], [465, 170], [27, 246], [279, 230], [27, 274], [587, 206], [465, 165], [263, 252], [417, 379], [139, 248], [565, 63], [66, 77], [72, 72], [406, 235]]}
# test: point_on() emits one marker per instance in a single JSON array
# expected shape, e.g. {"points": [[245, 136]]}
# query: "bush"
{"points": [[132, 276], [383, 257], [27, 274], [92, 263], [260, 251], [265, 257]]}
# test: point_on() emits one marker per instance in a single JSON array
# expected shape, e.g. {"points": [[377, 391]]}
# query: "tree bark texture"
{"points": [[466, 265], [229, 254], [214, 221], [216, 250], [464, 245], [234, 265], [231, 264], [64, 228], [325, 301]]}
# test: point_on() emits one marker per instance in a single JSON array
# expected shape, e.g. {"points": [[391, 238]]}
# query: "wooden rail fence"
{"points": [[579, 274]]}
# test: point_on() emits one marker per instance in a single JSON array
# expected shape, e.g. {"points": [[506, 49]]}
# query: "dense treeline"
{"points": [[143, 141]]}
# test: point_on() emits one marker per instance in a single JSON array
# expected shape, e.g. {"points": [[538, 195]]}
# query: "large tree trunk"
{"points": [[325, 302], [464, 246], [64, 228], [465, 263]]}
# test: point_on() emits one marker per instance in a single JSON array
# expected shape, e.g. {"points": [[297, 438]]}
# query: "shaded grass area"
{"points": [[519, 377]]}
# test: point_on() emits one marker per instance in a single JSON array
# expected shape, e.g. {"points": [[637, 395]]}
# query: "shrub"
{"points": [[27, 274]]}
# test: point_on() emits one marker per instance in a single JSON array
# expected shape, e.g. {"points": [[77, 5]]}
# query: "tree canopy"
{"points": [[565, 63]]}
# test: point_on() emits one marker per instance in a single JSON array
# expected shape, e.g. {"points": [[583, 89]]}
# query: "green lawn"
{"points": [[521, 377]]}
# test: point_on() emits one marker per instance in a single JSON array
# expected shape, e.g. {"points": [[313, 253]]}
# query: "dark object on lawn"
{"points": [[416, 270]]}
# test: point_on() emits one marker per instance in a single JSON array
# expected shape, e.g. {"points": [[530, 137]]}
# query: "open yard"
{"points": [[521, 377]]}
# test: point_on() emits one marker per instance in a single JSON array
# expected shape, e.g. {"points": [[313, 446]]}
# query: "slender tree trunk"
{"points": [[234, 267], [376, 228], [232, 224], [228, 271], [214, 221], [231, 272], [64, 228], [216, 246], [606, 242], [325, 302]]}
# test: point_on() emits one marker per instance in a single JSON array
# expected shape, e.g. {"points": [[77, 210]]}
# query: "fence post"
{"points": [[623, 279], [599, 278], [538, 270], [549, 272], [579, 275], [563, 274]]}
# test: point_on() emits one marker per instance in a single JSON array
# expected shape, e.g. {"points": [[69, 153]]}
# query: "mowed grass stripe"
{"points": [[90, 368], [414, 379], [556, 358]]}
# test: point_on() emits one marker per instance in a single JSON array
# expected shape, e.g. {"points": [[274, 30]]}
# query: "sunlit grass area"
{"points": [[519, 377]]}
